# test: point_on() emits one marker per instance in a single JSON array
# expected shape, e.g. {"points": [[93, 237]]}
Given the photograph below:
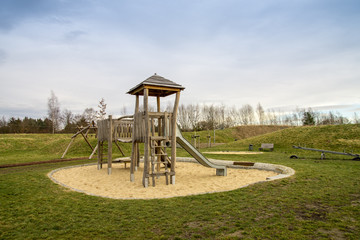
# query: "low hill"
{"points": [[332, 137], [235, 133], [41, 147]]}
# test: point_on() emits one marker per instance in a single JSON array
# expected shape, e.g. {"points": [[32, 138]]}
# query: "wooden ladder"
{"points": [[159, 157]]}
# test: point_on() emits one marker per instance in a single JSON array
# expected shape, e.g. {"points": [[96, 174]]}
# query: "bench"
{"points": [[125, 161], [269, 146]]}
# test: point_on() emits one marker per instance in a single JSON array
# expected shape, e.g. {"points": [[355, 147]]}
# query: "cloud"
{"points": [[14, 12], [73, 35], [332, 107], [3, 56]]}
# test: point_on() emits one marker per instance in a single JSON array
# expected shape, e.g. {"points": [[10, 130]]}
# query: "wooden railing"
{"points": [[159, 125], [122, 129]]}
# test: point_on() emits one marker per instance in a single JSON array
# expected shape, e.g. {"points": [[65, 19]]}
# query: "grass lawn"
{"points": [[321, 201]]}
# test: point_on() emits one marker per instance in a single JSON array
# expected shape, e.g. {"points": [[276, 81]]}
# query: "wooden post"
{"points": [[71, 141], [159, 133], [110, 144], [146, 142], [173, 138], [93, 152], [100, 151], [133, 163]]}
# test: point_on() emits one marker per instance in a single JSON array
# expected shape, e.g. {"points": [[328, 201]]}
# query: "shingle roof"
{"points": [[157, 85]]}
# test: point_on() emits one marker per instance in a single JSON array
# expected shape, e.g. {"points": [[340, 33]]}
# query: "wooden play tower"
{"points": [[156, 130]]}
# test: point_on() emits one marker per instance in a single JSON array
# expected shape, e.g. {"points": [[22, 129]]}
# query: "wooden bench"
{"points": [[269, 146], [125, 161]]}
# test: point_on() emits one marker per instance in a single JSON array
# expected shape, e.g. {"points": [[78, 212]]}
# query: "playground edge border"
{"points": [[283, 171]]}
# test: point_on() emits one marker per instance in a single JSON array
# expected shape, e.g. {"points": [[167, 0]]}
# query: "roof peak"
{"points": [[163, 86]]}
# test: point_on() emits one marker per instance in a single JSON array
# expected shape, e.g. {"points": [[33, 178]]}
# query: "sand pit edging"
{"points": [[283, 172]]}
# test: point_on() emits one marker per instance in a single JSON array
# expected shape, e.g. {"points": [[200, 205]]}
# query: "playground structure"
{"points": [[158, 132], [196, 143], [84, 132], [356, 156]]}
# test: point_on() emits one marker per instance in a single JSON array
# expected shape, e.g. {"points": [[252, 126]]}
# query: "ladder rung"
{"points": [[159, 174], [158, 146]]}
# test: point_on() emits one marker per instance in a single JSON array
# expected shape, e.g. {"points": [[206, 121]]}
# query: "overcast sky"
{"points": [[283, 54]]}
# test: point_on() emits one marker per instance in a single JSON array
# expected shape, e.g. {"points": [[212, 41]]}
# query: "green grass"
{"points": [[321, 201], [21, 148], [235, 133], [335, 138]]}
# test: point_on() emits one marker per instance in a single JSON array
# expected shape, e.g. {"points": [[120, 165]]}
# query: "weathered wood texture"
{"points": [[269, 146], [173, 138], [122, 130], [157, 130], [140, 130]]}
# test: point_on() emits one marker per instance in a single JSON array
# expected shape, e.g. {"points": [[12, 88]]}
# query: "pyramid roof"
{"points": [[157, 85]]}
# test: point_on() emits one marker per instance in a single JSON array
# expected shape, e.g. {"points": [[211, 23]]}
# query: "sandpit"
{"points": [[191, 179]]}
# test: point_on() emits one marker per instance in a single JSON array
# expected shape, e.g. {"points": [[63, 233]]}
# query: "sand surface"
{"points": [[191, 178], [237, 152]]}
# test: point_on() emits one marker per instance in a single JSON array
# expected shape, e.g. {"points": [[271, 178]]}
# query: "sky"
{"points": [[282, 54]]}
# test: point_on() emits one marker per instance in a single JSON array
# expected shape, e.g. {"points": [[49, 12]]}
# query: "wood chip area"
{"points": [[191, 179]]}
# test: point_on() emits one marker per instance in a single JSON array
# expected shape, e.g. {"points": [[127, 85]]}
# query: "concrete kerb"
{"points": [[283, 171]]}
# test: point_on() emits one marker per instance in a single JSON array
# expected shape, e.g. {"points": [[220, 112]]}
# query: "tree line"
{"points": [[191, 117], [57, 120], [196, 117]]}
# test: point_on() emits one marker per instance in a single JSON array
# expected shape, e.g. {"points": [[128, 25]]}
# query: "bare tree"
{"points": [[300, 114], [54, 111], [272, 117], [193, 115], [261, 114], [102, 109], [221, 111], [89, 115], [356, 118], [67, 117], [209, 121], [3, 122], [182, 117], [246, 114], [295, 119], [233, 114], [123, 110]]}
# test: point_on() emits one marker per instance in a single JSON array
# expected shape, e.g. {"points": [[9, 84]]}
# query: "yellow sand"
{"points": [[238, 153], [191, 178]]}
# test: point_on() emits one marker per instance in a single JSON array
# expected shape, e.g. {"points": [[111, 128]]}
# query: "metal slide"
{"points": [[220, 170]]}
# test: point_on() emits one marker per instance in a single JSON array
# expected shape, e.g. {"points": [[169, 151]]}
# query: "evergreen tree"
{"points": [[308, 118]]}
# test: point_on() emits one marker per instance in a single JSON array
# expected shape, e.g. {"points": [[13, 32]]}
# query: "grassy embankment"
{"points": [[322, 201]]}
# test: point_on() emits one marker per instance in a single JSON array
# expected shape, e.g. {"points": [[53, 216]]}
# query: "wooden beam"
{"points": [[100, 151], [150, 87], [133, 162], [140, 90], [80, 131], [118, 146], [110, 145], [67, 148], [159, 133], [93, 152], [85, 138], [146, 144], [173, 138]]}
